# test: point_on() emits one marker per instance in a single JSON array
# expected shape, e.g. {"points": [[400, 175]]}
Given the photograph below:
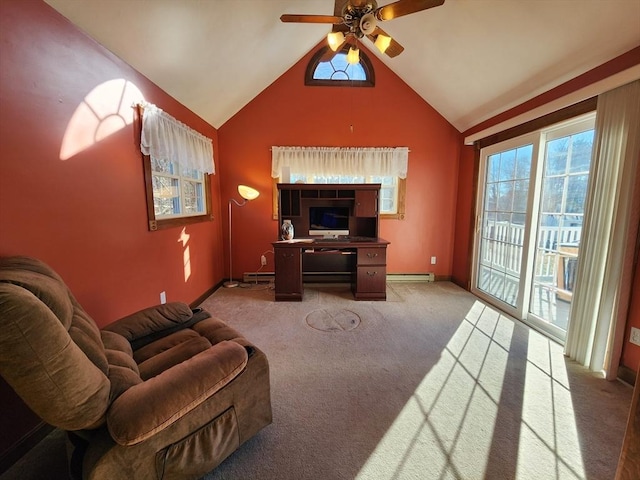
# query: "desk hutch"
{"points": [[359, 256]]}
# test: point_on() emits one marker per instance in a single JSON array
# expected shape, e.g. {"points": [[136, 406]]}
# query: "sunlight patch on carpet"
{"points": [[549, 443], [447, 429]]}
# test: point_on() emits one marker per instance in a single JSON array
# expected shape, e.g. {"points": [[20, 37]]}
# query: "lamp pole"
{"points": [[247, 193], [231, 283]]}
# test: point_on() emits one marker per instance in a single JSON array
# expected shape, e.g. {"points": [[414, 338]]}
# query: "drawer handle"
{"points": [[372, 255], [371, 274], [287, 255]]}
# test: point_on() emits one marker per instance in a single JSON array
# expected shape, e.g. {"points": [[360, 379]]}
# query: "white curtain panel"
{"points": [[328, 161], [599, 307], [165, 138]]}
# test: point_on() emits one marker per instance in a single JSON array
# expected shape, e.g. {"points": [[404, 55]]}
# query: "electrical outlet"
{"points": [[163, 297], [433, 260], [635, 336], [263, 260]]}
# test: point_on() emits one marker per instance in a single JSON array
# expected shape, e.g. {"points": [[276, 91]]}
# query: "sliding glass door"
{"points": [[529, 223], [503, 226], [563, 192]]}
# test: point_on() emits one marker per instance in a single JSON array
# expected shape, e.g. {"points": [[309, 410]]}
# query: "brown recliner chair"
{"points": [[164, 393]]}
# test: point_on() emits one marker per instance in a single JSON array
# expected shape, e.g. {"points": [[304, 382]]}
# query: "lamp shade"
{"points": [[353, 56], [335, 39], [368, 24], [248, 193]]}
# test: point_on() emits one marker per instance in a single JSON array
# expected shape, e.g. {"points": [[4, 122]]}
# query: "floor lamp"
{"points": [[247, 193]]}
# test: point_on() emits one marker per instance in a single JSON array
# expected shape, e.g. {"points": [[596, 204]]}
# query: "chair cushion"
{"points": [[45, 367], [42, 282], [147, 325], [158, 346], [169, 352], [85, 334], [123, 370], [215, 330], [146, 409]]}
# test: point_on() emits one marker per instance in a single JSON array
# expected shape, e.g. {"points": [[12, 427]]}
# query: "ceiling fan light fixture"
{"points": [[382, 43], [335, 39], [359, 19], [368, 24], [353, 57]]}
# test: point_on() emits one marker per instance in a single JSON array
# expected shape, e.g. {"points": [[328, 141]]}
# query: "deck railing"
{"points": [[503, 248]]}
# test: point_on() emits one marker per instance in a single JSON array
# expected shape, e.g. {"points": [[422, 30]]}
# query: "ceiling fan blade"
{"points": [[393, 50], [405, 7], [339, 7], [310, 19]]}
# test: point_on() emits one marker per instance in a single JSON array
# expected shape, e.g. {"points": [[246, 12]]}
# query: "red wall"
{"points": [[86, 215], [288, 113], [631, 352]]}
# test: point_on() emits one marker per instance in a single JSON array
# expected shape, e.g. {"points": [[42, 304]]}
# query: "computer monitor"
{"points": [[328, 221]]}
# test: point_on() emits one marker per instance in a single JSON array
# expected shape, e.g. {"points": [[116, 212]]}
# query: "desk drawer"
{"points": [[288, 272], [372, 256], [372, 279]]}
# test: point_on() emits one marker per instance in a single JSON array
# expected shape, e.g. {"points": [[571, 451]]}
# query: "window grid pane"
{"points": [[563, 192], [166, 195], [388, 188], [502, 234], [163, 166], [338, 69], [177, 192]]}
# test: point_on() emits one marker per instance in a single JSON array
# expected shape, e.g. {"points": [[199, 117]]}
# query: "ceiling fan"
{"points": [[354, 19]]}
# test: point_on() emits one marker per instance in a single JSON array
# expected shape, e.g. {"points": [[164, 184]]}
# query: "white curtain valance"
{"points": [[165, 138], [352, 161]]}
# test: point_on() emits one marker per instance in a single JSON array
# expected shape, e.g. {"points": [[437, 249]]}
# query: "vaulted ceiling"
{"points": [[469, 59]]}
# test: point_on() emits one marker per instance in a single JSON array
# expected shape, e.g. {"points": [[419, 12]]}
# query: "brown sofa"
{"points": [[164, 393]]}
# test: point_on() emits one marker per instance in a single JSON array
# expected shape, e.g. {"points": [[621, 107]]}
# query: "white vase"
{"points": [[287, 230]]}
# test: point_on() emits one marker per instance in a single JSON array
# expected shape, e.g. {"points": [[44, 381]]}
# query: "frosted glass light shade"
{"points": [[335, 39], [353, 56], [382, 43], [248, 193]]}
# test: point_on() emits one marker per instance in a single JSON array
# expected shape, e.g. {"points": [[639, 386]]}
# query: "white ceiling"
{"points": [[469, 59]]}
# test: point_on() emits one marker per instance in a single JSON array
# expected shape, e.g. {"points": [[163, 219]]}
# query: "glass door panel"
{"points": [[502, 231], [563, 192]]}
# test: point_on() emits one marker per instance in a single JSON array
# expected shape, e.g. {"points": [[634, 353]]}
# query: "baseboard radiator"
{"points": [[320, 277], [411, 277], [258, 277]]}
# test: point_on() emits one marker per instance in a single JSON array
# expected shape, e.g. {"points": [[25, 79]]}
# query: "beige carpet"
{"points": [[428, 385]]}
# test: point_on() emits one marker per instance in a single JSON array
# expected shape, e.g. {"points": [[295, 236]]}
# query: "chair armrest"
{"points": [[146, 326], [150, 407]]}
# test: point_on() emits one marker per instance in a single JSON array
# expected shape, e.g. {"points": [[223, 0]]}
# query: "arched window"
{"points": [[328, 69]]}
